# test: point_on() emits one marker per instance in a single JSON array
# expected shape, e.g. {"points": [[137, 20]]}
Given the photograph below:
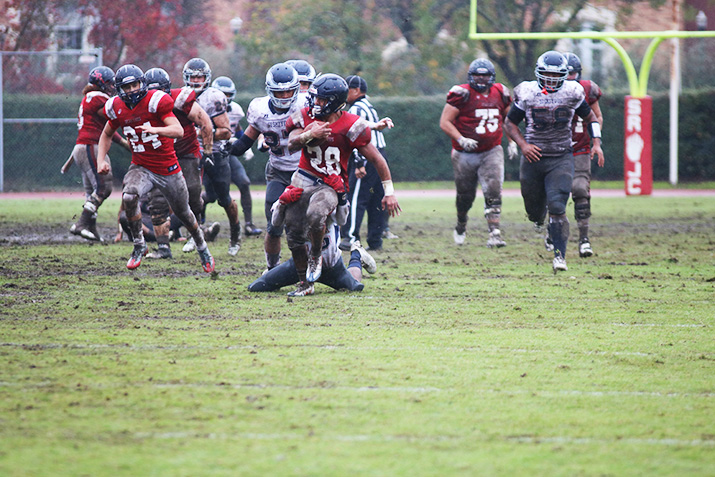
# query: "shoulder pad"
{"points": [[357, 128], [154, 101], [297, 118], [109, 109]]}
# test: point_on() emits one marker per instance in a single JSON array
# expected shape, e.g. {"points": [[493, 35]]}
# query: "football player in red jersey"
{"points": [[190, 116], [581, 189], [91, 121], [147, 119], [327, 135], [473, 119]]}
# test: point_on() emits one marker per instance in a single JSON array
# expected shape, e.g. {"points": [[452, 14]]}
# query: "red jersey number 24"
{"points": [[138, 142]]}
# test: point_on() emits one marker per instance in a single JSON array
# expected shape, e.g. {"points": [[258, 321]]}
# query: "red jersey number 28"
{"points": [[327, 162]]}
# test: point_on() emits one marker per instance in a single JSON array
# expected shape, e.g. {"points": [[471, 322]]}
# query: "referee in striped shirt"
{"points": [[366, 191]]}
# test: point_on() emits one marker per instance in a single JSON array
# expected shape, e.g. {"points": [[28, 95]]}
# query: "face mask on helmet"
{"points": [[226, 86], [282, 85], [127, 76], [481, 75], [551, 71], [194, 69], [333, 90], [158, 78]]}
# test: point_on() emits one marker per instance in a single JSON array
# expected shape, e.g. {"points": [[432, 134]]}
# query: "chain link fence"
{"points": [[40, 93]]}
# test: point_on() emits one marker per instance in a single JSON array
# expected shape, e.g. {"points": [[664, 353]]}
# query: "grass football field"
{"points": [[453, 361]]}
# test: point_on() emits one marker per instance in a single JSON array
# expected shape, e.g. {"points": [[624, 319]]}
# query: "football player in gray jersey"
{"points": [[217, 171], [267, 115], [547, 162]]}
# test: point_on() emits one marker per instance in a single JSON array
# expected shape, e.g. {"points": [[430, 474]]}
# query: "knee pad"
{"points": [[557, 207], [130, 198], [225, 200], [582, 209]]}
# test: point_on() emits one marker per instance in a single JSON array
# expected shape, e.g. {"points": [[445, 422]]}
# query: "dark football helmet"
{"points": [[331, 87], [226, 86], [158, 78], [282, 77], [197, 67], [481, 66], [127, 75], [306, 72], [551, 62], [103, 78], [574, 63]]}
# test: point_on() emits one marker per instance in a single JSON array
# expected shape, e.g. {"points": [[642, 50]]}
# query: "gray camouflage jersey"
{"points": [[548, 115], [272, 123], [214, 103]]}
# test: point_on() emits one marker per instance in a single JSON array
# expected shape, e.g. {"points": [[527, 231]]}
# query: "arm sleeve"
{"points": [[583, 109], [516, 114], [242, 145]]}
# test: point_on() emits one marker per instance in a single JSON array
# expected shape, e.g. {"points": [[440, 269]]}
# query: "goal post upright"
{"points": [[638, 112]]}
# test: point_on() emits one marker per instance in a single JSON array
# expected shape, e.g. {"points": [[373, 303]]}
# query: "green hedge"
{"points": [[416, 148]]}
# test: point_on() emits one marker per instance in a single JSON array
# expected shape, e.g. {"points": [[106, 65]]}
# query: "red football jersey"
{"points": [[480, 116], [331, 157], [580, 138], [89, 121], [152, 151], [188, 144]]}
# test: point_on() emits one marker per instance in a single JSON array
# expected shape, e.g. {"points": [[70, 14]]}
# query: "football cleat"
{"points": [[365, 258], [459, 238], [315, 268], [212, 231], [207, 261], [162, 252], [304, 289], [584, 248], [548, 244], [250, 229], [559, 264], [233, 248], [91, 233], [189, 246], [495, 240], [386, 234], [137, 254]]}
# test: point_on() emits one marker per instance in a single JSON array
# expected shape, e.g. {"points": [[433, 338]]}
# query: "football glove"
{"points": [[468, 144]]}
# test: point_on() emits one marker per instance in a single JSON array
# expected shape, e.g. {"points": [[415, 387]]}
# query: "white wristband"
{"points": [[595, 130], [389, 188], [305, 137]]}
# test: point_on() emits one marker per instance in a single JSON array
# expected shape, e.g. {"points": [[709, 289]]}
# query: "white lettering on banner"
{"points": [[634, 146], [633, 122]]}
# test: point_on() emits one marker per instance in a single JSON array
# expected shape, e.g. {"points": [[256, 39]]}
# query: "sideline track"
{"points": [[79, 194]]}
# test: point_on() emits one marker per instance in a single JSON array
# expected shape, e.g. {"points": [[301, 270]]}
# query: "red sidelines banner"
{"points": [[638, 160]]}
